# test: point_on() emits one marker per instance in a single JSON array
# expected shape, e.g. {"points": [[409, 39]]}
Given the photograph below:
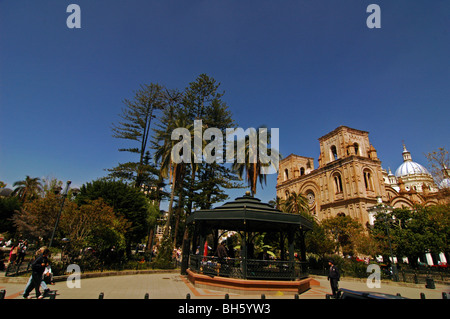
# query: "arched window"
{"points": [[286, 174], [337, 182], [302, 171], [368, 180], [356, 146], [334, 155]]}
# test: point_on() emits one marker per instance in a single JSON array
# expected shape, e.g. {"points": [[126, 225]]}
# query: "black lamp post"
{"points": [[64, 195], [65, 243]]}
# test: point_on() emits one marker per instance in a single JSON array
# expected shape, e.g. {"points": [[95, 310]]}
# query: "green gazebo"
{"points": [[247, 215]]}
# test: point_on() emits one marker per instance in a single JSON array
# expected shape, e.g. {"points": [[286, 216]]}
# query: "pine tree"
{"points": [[135, 126]]}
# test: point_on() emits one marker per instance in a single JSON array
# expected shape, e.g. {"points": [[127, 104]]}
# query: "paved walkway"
{"points": [[175, 286]]}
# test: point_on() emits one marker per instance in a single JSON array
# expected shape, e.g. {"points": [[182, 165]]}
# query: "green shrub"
{"points": [[163, 259]]}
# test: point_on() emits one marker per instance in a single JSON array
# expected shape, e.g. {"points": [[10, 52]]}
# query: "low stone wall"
{"points": [[249, 286]]}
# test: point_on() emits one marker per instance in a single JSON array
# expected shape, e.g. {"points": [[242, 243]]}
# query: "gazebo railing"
{"points": [[248, 269]]}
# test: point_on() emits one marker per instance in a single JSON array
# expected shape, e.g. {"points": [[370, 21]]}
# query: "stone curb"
{"points": [[24, 280]]}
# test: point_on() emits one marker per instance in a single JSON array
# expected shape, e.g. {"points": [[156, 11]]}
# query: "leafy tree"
{"points": [[128, 203], [415, 232], [8, 206], [206, 182], [51, 185], [344, 230], [194, 184], [154, 214], [318, 242], [93, 224], [29, 188], [164, 257], [36, 219]]}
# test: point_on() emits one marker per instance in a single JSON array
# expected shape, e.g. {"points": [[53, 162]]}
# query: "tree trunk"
{"points": [[177, 222], [172, 195], [185, 252]]}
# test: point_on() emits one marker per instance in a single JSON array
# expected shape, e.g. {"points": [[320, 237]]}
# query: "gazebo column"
{"points": [[303, 251], [282, 252], [193, 243], [302, 245], [291, 245], [244, 254], [215, 233], [291, 253]]}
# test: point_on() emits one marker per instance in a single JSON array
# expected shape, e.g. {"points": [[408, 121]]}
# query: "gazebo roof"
{"points": [[249, 214]]}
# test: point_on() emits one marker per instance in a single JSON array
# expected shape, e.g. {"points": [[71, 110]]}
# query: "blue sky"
{"points": [[305, 67]]}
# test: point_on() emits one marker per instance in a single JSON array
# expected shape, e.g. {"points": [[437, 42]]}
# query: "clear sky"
{"points": [[305, 67]]}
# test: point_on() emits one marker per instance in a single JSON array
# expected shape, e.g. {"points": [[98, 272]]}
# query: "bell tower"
{"points": [[345, 142], [348, 180]]}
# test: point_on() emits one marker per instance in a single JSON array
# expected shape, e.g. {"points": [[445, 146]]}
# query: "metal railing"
{"points": [[248, 268], [407, 275], [420, 276]]}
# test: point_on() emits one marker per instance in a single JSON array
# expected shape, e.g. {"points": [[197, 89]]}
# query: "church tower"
{"points": [[347, 181]]}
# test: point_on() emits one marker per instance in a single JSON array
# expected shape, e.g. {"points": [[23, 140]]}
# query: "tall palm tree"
{"points": [[296, 203], [253, 166], [163, 155], [28, 188], [168, 168]]}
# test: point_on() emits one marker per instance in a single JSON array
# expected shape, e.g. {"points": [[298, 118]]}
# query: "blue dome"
{"points": [[445, 183], [410, 168]]}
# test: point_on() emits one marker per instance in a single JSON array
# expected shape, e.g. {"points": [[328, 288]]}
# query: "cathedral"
{"points": [[349, 178]]}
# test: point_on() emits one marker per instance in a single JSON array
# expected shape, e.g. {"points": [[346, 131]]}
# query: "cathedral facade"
{"points": [[349, 178]]}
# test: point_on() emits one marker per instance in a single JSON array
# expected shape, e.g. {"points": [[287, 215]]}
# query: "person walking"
{"points": [[13, 254], [333, 276], [22, 251], [37, 270], [43, 286]]}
